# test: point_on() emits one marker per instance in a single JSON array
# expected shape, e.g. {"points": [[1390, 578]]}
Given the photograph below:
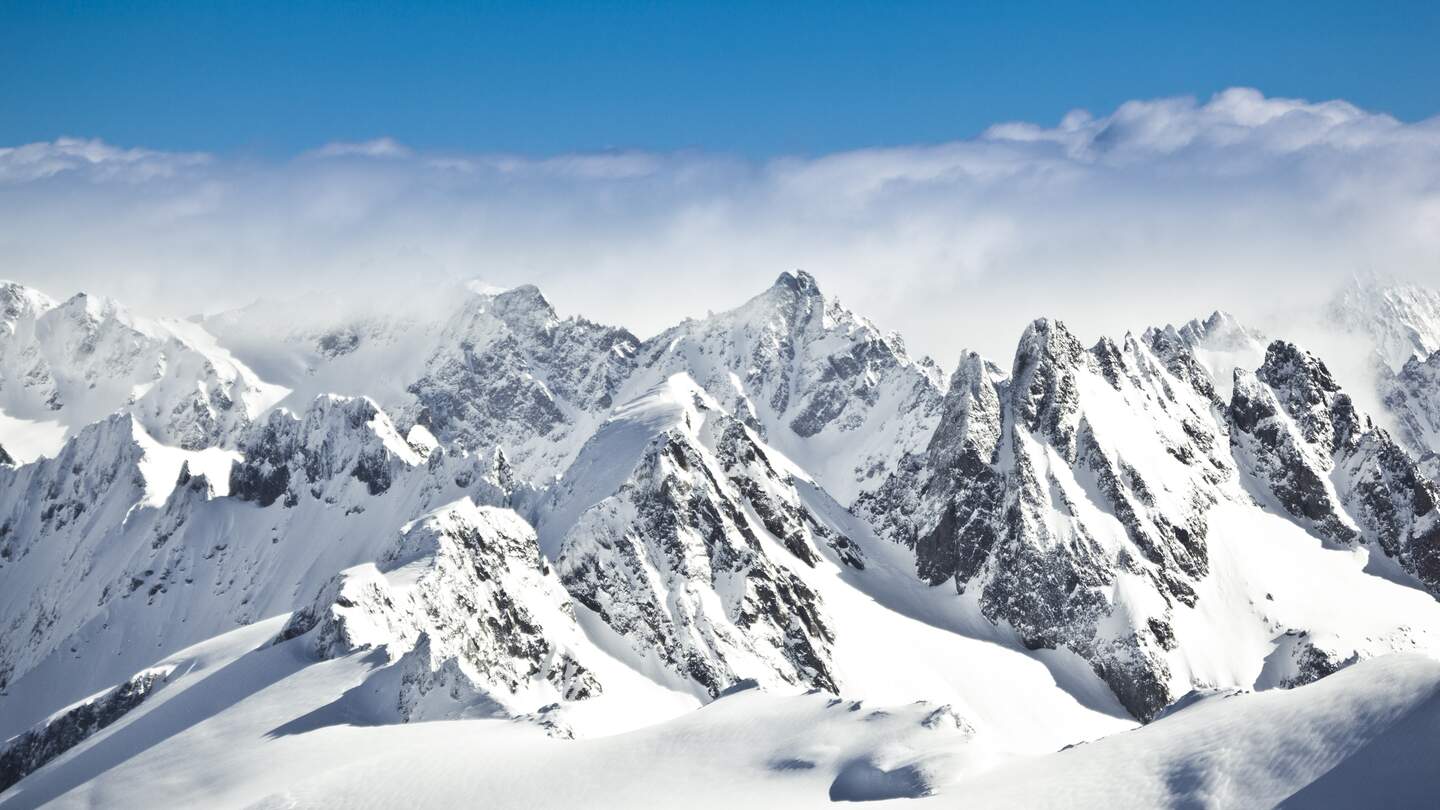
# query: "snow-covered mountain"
{"points": [[1399, 319], [818, 382], [64, 365], [1091, 499], [767, 550]]}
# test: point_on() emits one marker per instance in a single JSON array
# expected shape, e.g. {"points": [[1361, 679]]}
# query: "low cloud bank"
{"points": [[1160, 210]]}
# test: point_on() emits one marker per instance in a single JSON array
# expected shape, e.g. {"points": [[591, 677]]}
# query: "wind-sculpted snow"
{"points": [[464, 605], [1329, 466], [76, 362], [672, 552]]}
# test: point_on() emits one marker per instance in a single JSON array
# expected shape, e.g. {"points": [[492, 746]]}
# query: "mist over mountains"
{"points": [[1109, 220]]}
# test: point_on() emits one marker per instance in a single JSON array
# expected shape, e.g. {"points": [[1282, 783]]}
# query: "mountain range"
{"points": [[293, 556]]}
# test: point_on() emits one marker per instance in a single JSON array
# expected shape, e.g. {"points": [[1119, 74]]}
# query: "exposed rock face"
{"points": [[663, 548], [32, 749], [818, 382], [508, 372], [78, 361], [1328, 466], [1043, 492], [464, 603], [289, 457], [1299, 658]]}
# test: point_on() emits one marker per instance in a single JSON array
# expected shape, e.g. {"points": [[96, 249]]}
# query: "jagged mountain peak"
{"points": [[792, 305], [1094, 514], [507, 371], [1327, 464], [64, 365], [1216, 330], [289, 454], [1206, 353], [1412, 398], [18, 300], [970, 414], [1047, 345], [1042, 493], [1401, 318], [816, 381], [799, 282], [525, 306], [462, 603], [1042, 377], [1311, 395], [1287, 364], [676, 497]]}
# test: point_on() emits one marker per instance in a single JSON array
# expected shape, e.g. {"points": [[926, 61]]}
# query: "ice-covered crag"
{"points": [[1070, 499], [1306, 446], [678, 528], [467, 612]]}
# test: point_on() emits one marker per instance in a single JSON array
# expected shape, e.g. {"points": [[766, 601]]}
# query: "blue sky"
{"points": [[754, 79]]}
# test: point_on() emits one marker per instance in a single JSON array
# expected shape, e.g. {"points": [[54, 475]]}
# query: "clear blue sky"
{"points": [[755, 79]]}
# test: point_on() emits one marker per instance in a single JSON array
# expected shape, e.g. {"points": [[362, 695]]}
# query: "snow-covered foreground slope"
{"points": [[244, 724]]}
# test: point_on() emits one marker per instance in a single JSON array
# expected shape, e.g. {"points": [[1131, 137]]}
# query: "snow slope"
{"points": [[222, 733]]}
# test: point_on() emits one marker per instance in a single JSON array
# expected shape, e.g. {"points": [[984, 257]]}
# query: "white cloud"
{"points": [[377, 148], [1160, 210], [93, 159]]}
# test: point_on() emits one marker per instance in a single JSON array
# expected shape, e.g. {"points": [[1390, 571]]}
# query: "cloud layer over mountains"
{"points": [[1169, 207]]}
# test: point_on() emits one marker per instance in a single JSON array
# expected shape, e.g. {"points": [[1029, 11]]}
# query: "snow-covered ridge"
{"points": [[819, 383], [64, 365]]}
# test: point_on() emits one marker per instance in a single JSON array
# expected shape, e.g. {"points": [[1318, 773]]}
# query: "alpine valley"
{"points": [[481, 554]]}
